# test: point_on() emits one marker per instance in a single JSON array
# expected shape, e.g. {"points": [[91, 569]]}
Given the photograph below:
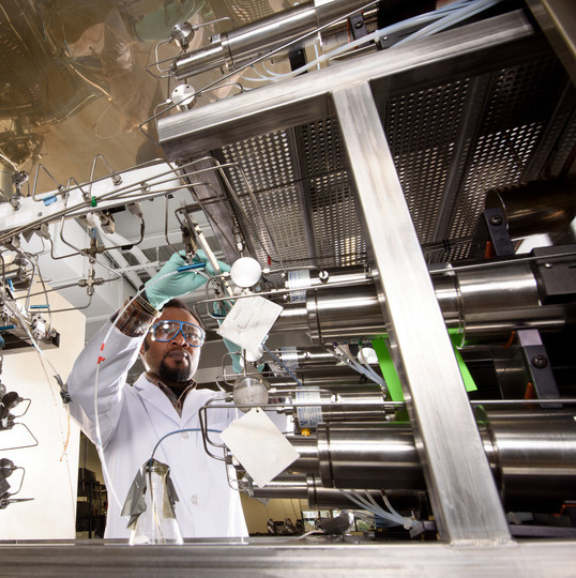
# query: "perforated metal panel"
{"points": [[520, 105], [451, 142], [422, 129], [336, 227], [265, 165], [310, 214]]}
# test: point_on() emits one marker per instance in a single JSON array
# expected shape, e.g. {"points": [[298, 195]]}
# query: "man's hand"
{"points": [[160, 290]]}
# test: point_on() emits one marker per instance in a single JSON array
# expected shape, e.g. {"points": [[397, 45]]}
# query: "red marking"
{"points": [[100, 359], [102, 347]]}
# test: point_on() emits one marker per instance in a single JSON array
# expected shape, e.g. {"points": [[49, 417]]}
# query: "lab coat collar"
{"points": [[156, 397]]}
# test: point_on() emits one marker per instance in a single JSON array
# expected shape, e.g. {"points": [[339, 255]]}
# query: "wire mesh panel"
{"points": [[422, 129], [425, 129], [263, 166], [519, 107], [337, 231]]}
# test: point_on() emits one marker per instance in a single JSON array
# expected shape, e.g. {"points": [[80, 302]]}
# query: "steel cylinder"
{"points": [[257, 38], [391, 465], [308, 487], [532, 456], [346, 311], [484, 304], [545, 206]]}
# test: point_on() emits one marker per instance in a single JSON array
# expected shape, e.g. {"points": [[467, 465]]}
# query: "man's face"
{"points": [[175, 361]]}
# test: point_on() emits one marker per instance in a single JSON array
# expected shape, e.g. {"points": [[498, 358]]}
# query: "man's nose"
{"points": [[179, 337]]}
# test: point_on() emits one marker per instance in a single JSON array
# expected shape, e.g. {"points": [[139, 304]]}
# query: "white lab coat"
{"points": [[132, 419]]}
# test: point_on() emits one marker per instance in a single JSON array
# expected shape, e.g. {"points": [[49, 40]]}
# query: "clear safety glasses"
{"points": [[167, 330]]}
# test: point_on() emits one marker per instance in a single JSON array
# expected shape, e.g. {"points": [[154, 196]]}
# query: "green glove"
{"points": [[160, 291]]}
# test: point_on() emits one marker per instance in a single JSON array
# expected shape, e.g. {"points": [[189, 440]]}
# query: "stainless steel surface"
{"points": [[278, 34], [423, 352], [293, 28], [558, 20], [308, 487], [532, 457], [547, 206], [536, 455], [393, 465], [275, 108], [488, 295], [484, 304], [353, 311], [281, 557]]}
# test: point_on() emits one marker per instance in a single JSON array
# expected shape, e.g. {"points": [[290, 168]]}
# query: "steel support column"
{"points": [[464, 497]]}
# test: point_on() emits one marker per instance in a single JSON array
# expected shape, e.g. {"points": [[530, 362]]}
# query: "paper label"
{"points": [[259, 446], [249, 322], [298, 280], [308, 417]]}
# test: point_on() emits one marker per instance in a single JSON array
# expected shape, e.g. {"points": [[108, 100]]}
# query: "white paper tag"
{"points": [[249, 322], [298, 280], [308, 416], [259, 446]]}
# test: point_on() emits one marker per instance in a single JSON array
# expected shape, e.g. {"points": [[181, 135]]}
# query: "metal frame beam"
{"points": [[465, 501], [307, 98]]}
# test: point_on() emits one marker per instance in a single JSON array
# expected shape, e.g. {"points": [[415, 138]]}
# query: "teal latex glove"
{"points": [[160, 291]]}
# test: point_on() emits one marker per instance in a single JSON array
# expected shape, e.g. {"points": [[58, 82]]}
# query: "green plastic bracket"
{"points": [[381, 346]]}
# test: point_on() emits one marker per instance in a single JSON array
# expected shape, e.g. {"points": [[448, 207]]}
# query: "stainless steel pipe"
{"points": [[532, 456], [233, 48], [484, 304], [308, 487]]}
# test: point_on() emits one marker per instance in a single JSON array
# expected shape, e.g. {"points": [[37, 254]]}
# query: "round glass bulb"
{"points": [[245, 272]]}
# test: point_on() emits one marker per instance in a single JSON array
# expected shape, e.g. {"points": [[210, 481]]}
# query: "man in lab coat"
{"points": [[126, 422]]}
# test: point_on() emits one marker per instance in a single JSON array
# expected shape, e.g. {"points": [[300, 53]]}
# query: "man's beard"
{"points": [[181, 374]]}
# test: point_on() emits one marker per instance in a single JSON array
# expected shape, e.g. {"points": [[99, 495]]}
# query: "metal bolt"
{"points": [[548, 265], [539, 361], [324, 276], [496, 220], [359, 24]]}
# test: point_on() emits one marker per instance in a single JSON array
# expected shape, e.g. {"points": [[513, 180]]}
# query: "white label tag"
{"points": [[259, 446], [298, 280], [309, 416], [249, 322]]}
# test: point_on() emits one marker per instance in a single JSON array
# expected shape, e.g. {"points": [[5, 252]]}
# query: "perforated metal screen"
{"points": [[451, 143]]}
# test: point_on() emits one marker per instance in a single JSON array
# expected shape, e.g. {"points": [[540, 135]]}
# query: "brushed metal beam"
{"points": [[307, 98], [464, 498]]}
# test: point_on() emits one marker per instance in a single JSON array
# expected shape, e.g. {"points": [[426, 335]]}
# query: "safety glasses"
{"points": [[168, 329]]}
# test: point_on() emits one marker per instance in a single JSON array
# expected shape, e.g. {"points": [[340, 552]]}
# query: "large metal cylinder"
{"points": [[545, 206], [532, 456], [484, 304]]}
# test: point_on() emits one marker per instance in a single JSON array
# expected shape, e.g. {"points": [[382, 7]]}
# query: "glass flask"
{"points": [[156, 523]]}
